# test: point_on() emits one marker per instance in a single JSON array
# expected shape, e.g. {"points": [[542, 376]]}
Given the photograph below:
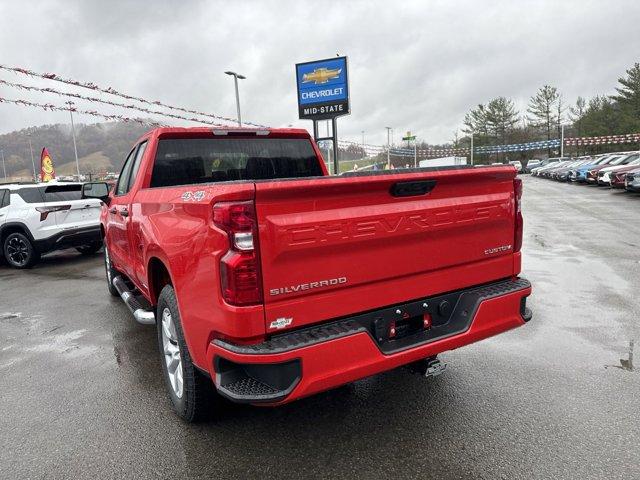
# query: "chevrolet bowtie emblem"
{"points": [[321, 75]]}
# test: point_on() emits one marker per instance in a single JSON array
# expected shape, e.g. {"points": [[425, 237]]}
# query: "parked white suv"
{"points": [[39, 218]]}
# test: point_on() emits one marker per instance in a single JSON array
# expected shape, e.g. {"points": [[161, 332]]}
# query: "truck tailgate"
{"points": [[337, 246]]}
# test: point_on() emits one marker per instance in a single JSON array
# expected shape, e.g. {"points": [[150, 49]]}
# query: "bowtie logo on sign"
{"points": [[321, 75]]}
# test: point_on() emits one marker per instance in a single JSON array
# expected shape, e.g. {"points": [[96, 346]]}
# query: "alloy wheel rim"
{"points": [[18, 251], [171, 350]]}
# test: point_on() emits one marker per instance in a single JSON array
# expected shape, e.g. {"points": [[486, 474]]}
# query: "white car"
{"points": [[533, 163], [39, 218], [604, 175], [517, 164]]}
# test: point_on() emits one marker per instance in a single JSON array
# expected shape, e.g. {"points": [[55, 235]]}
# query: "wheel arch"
{"points": [[12, 227], [158, 275]]}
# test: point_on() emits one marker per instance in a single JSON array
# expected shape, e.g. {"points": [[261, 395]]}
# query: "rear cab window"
{"points": [[31, 195], [62, 193], [186, 161]]}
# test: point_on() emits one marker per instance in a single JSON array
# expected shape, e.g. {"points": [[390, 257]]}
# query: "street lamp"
{"points": [[237, 76], [363, 149], [73, 134], [33, 163]]}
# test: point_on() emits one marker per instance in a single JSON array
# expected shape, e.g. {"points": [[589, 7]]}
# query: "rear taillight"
{"points": [[517, 239], [45, 211], [240, 274]]}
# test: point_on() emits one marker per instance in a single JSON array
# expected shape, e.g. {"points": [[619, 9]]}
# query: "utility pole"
{"points": [[237, 76], [4, 167], [33, 163], [388, 147], [73, 134], [363, 150]]}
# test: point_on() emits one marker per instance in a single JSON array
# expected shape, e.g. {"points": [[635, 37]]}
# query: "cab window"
{"points": [[136, 164], [123, 181]]}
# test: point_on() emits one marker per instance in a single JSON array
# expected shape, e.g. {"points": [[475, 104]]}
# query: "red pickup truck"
{"points": [[273, 281]]}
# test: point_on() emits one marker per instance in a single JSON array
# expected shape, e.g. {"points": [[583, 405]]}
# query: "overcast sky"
{"points": [[413, 65]]}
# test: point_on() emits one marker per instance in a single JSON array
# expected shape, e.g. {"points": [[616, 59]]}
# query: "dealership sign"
{"points": [[323, 88]]}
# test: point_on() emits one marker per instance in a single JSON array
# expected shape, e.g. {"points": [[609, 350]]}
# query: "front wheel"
{"points": [[190, 392], [19, 252]]}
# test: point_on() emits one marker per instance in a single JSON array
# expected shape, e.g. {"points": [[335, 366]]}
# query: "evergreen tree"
{"points": [[629, 100], [543, 109], [501, 117], [475, 121]]}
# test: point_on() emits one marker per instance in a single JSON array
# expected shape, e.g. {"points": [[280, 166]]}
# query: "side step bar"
{"points": [[143, 315]]}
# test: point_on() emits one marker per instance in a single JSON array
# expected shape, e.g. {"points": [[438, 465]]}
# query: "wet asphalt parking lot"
{"points": [[82, 393]]}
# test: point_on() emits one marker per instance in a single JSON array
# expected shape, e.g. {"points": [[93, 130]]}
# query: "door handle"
{"points": [[124, 212], [113, 210]]}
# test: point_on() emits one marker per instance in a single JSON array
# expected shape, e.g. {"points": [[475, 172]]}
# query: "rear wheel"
{"points": [[111, 272], [90, 248], [19, 252], [190, 392]]}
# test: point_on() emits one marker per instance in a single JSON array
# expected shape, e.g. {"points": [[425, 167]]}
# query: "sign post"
{"points": [[408, 138], [323, 94]]}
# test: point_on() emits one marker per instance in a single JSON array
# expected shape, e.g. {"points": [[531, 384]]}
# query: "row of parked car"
{"points": [[616, 170]]}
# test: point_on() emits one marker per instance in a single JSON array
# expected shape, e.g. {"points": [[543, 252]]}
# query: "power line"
{"points": [[20, 86], [112, 91], [51, 107]]}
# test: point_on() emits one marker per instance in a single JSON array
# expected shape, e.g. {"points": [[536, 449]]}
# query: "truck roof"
{"points": [[187, 131]]}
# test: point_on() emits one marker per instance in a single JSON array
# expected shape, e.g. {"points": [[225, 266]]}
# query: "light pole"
{"points": [[561, 140], [363, 150], [388, 147], [33, 163], [73, 134], [4, 167], [471, 148], [237, 76]]}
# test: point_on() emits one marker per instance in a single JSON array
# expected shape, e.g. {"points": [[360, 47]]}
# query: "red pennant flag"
{"points": [[47, 173]]}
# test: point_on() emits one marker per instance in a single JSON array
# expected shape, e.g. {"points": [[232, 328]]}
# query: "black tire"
{"points": [[197, 397], [110, 273], [90, 248], [19, 252]]}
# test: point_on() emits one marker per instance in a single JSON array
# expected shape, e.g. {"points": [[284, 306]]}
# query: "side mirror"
{"points": [[99, 190]]}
